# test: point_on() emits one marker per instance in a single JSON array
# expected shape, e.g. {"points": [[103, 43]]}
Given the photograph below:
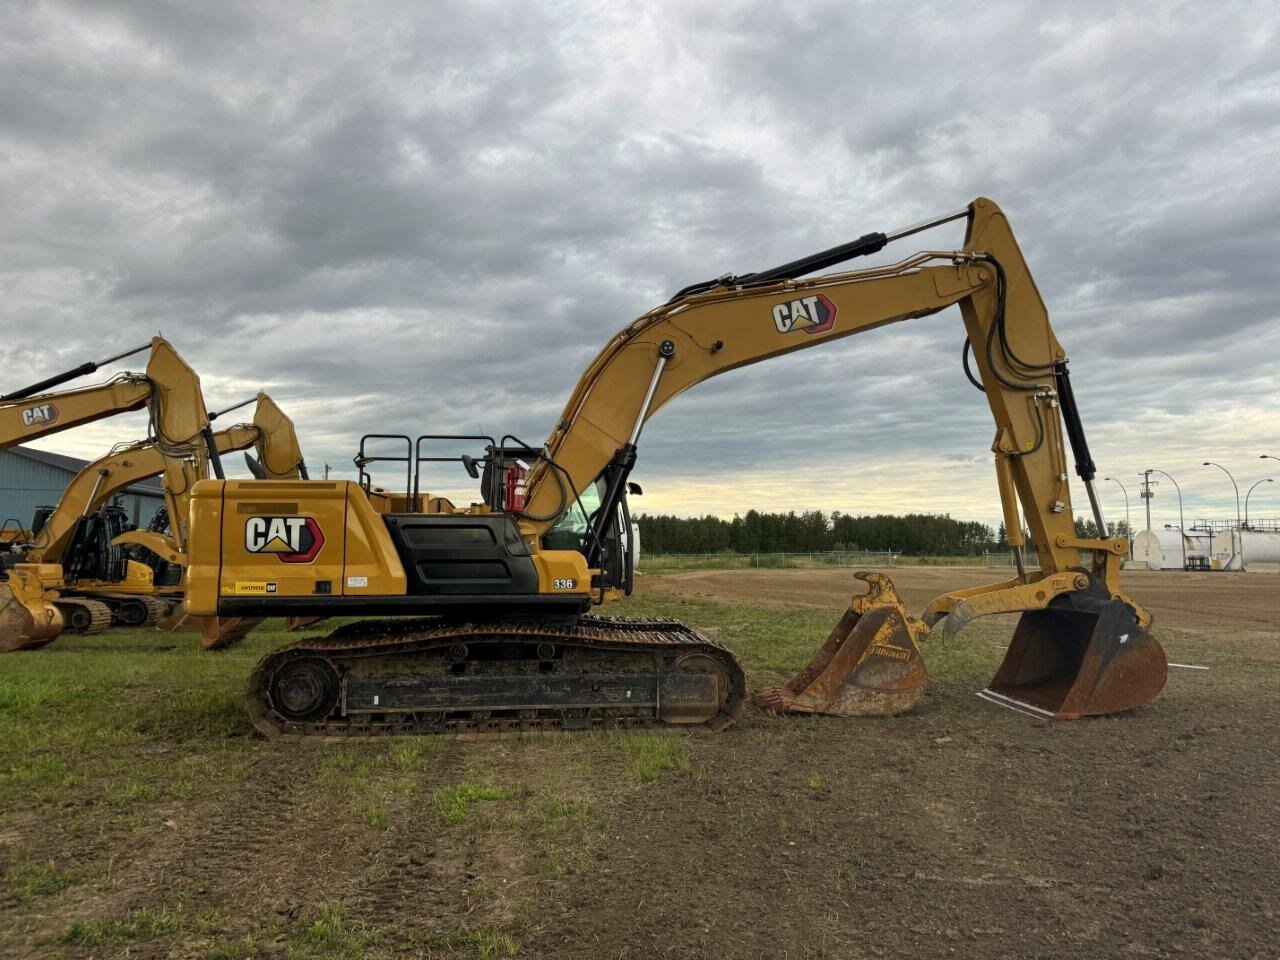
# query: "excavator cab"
{"points": [[577, 527], [90, 554]]}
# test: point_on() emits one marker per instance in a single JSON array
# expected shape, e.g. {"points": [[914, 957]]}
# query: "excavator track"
{"points": [[82, 615], [134, 610], [483, 680]]}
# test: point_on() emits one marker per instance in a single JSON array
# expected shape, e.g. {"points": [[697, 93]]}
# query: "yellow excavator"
{"points": [[499, 638], [98, 583], [170, 390]]}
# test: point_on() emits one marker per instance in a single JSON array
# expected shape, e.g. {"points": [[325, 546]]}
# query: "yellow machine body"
{"points": [[299, 544]]}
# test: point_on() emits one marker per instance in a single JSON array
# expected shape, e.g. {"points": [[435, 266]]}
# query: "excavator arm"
{"points": [[1021, 367], [687, 341], [168, 384], [278, 455]]}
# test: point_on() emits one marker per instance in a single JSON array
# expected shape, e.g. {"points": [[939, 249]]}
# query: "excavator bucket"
{"points": [[216, 633], [870, 665], [25, 626], [1085, 655]]}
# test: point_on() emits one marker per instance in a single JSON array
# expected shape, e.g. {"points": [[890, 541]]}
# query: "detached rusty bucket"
{"points": [[869, 666], [1085, 655]]}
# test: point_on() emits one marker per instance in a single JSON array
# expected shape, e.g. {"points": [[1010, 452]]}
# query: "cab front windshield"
{"points": [[570, 531]]}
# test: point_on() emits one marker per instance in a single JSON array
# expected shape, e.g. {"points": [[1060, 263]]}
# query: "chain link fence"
{"points": [[738, 561], [661, 562]]}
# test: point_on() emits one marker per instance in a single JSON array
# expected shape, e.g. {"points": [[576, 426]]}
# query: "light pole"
{"points": [[1247, 495], [1182, 529], [1239, 521], [1128, 526]]}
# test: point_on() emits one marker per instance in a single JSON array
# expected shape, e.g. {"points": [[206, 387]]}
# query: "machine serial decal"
{"points": [[39, 416], [815, 314], [255, 588], [292, 539]]}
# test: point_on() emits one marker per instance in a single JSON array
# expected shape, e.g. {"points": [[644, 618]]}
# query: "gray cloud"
{"points": [[429, 217]]}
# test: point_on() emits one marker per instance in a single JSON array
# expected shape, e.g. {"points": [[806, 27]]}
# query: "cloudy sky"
{"points": [[429, 216]]}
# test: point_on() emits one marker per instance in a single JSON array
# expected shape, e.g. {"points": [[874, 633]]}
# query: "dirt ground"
{"points": [[958, 830], [1187, 601]]}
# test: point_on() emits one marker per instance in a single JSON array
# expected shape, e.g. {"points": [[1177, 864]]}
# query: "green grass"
{"points": [[24, 880], [329, 932], [125, 718], [103, 739], [556, 815], [454, 804], [143, 924], [651, 755], [483, 942]]}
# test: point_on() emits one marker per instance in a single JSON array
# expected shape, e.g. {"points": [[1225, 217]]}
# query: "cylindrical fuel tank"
{"points": [[1164, 549], [1261, 546]]}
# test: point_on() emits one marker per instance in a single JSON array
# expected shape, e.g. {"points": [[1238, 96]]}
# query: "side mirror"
{"points": [[472, 470], [634, 489]]}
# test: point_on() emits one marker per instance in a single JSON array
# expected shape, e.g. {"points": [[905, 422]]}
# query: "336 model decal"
{"points": [[293, 539]]}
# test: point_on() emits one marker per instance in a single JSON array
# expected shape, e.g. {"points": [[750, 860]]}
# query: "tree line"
{"points": [[813, 531]]}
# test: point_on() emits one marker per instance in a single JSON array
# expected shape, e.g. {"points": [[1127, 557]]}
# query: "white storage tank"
{"points": [[1261, 546], [1163, 549]]}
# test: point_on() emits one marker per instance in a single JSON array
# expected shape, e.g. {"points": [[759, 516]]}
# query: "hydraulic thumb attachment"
{"points": [[870, 665]]}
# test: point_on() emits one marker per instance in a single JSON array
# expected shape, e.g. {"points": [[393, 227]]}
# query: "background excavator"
{"points": [[170, 390], [100, 582], [499, 589], [32, 609]]}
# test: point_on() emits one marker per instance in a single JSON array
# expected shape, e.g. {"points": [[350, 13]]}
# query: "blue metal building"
{"points": [[30, 478]]}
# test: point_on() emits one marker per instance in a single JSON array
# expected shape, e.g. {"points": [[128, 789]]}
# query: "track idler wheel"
{"points": [[129, 613], [1084, 655], [870, 665], [304, 690]]}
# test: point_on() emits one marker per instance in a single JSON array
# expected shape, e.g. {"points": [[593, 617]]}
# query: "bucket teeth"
{"points": [[298, 624], [215, 632], [870, 665]]}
